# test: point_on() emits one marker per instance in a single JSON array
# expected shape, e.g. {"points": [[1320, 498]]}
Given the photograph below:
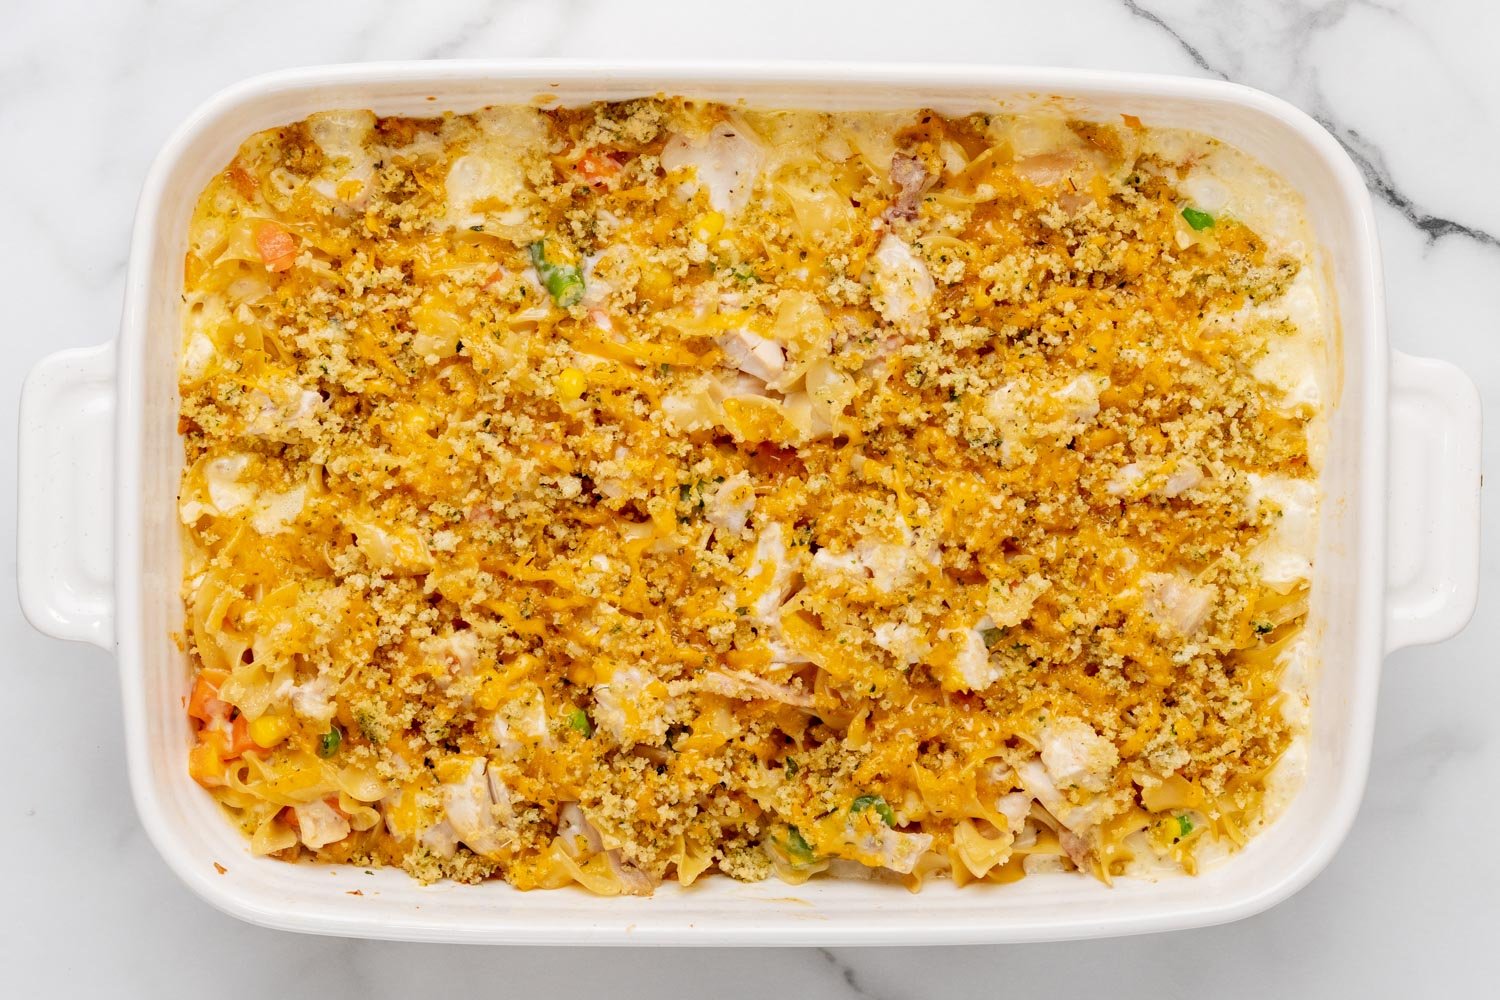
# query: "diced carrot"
{"points": [[289, 817], [243, 181], [204, 703], [598, 168], [1133, 122], [276, 246], [239, 737]]}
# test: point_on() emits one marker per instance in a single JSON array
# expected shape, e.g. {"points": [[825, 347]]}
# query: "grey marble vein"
{"points": [[1365, 154], [847, 973], [1154, 19], [1371, 162]]}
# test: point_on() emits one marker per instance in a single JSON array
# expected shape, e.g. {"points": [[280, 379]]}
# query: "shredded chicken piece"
{"points": [[745, 686]]}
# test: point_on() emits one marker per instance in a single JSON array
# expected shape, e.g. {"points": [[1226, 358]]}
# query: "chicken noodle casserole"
{"points": [[629, 492]]}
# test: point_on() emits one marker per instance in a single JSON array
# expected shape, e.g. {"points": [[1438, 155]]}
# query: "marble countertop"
{"points": [[88, 91]]}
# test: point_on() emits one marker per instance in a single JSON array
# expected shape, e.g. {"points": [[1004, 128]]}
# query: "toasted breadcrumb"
{"points": [[605, 494]]}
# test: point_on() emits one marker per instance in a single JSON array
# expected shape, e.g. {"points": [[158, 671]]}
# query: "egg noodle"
{"points": [[636, 491]]}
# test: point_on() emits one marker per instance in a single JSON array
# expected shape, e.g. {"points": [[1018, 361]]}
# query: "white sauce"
{"points": [[724, 164], [1286, 554]]}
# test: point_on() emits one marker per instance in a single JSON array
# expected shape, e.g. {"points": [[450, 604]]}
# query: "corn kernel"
{"points": [[206, 761], [571, 383], [708, 225], [656, 282], [269, 730]]}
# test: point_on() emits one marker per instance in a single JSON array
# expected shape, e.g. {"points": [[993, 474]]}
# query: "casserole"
{"points": [[75, 400], [510, 556]]}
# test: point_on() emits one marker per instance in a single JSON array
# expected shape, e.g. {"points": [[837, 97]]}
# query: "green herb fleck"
{"points": [[991, 636], [370, 726], [1198, 220], [1184, 826], [691, 494], [879, 804], [1262, 627], [791, 767]]}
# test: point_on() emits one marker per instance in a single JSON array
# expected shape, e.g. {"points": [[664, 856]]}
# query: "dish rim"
{"points": [[1340, 809]]}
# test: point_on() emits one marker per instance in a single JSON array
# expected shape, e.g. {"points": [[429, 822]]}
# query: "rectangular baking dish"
{"points": [[99, 550]]}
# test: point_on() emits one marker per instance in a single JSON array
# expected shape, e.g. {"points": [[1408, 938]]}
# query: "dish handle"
{"points": [[1432, 563], [65, 478]]}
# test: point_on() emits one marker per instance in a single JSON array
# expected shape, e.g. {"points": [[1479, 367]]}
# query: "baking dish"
{"points": [[99, 557]]}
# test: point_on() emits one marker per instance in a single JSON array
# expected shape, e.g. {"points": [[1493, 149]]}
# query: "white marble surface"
{"points": [[89, 91]]}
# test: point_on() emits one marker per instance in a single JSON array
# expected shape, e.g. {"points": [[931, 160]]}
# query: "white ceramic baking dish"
{"points": [[99, 560]]}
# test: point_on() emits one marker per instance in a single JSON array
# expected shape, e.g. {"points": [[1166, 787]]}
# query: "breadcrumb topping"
{"points": [[620, 493]]}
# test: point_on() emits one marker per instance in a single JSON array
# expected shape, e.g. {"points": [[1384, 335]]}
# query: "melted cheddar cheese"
{"points": [[621, 493]]}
